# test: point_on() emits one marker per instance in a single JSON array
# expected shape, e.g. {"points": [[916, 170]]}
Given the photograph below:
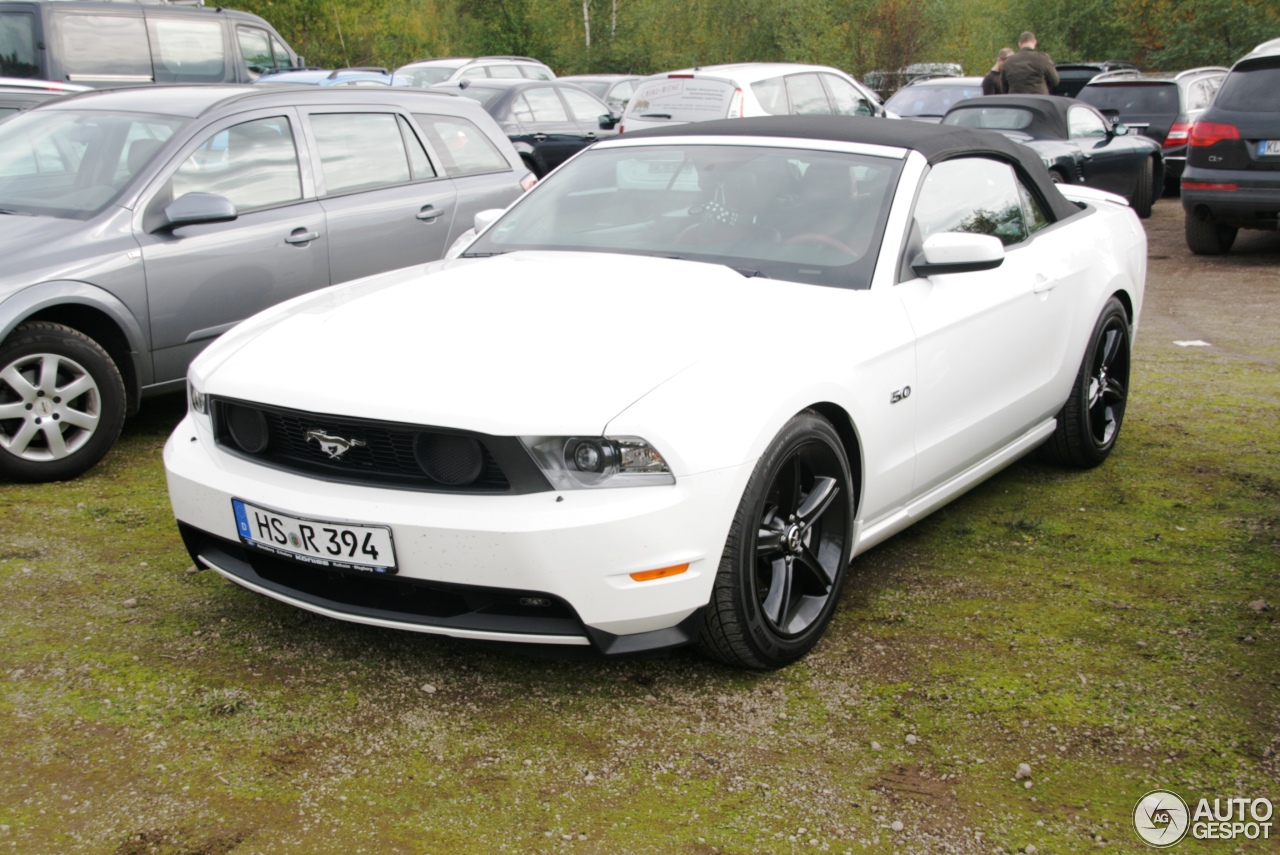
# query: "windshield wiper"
{"points": [[750, 274], [483, 254], [655, 115], [16, 213]]}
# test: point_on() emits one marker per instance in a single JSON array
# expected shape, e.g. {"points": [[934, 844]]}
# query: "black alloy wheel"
{"points": [[787, 553], [1089, 423]]}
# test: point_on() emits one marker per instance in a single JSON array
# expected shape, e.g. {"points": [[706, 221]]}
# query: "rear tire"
{"points": [[788, 551], [1144, 193], [1205, 237], [1057, 177], [62, 403], [1089, 422]]}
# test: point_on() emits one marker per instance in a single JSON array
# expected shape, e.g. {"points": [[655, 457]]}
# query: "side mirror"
{"points": [[609, 120], [486, 218], [958, 252], [198, 208], [1120, 130], [301, 63]]}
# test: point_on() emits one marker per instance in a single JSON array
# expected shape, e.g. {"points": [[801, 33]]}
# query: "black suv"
{"points": [[1160, 106], [1232, 177], [1072, 76]]}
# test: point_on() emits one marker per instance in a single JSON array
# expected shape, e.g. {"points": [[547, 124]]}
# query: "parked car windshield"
{"points": [[799, 215], [929, 100], [73, 163], [1255, 88], [426, 75], [1145, 98]]}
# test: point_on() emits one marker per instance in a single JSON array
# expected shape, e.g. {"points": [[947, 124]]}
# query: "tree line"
{"points": [[646, 36]]}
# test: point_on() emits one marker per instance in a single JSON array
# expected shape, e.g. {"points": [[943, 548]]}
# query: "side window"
{"points": [[1083, 123], [584, 108], [281, 53], [807, 95], [621, 94], [464, 147], [187, 51], [255, 47], [505, 71], [846, 98], [254, 164], [18, 45], [105, 47], [771, 95], [545, 104], [419, 163], [974, 195], [473, 74], [535, 72], [1032, 211], [521, 110], [359, 151]]}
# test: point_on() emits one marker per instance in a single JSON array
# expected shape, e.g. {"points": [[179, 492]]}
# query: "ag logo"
{"points": [[1161, 818]]}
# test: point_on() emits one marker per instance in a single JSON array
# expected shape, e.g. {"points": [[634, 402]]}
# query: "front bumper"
{"points": [[1255, 204], [467, 562]]}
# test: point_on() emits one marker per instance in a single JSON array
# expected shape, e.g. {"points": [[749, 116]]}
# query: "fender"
{"points": [[21, 305]]}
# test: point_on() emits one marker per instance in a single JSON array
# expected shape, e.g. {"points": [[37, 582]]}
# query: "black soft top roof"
{"points": [[935, 142], [1048, 112]]}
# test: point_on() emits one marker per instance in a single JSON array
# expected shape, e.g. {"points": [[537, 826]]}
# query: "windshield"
{"points": [[992, 118], [804, 216], [596, 87], [681, 99], [424, 76], [1253, 88], [484, 96], [72, 163], [930, 100], [1134, 98]]}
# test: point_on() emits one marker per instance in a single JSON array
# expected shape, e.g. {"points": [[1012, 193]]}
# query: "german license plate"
{"points": [[367, 548], [1268, 148]]}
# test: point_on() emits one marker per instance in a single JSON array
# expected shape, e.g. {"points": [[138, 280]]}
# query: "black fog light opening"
{"points": [[450, 459], [248, 427]]}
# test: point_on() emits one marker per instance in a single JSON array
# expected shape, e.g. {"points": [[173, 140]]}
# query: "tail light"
{"points": [[528, 181], [1177, 134], [1212, 133], [735, 105], [1208, 185], [622, 129]]}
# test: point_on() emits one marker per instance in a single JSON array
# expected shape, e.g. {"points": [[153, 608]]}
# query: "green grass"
{"points": [[1092, 624]]}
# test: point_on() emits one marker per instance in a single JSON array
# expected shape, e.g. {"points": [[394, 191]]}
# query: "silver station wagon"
{"points": [[139, 224]]}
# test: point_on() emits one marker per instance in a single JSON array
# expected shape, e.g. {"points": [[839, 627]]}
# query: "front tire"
{"points": [[62, 403], [1205, 237], [788, 551], [1144, 193], [1089, 423]]}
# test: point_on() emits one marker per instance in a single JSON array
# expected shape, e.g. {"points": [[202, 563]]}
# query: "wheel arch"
{"points": [[95, 313], [843, 423]]}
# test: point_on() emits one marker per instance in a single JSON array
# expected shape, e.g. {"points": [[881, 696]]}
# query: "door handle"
{"points": [[1044, 284], [539, 137], [429, 213], [301, 236]]}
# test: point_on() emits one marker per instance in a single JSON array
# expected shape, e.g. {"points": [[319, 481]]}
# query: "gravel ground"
{"points": [[1010, 675]]}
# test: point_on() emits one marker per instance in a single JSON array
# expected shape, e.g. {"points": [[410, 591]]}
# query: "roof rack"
{"points": [[1201, 70], [519, 58]]}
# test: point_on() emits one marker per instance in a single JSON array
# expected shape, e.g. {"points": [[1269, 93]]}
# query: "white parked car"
{"points": [[744, 90], [668, 395]]}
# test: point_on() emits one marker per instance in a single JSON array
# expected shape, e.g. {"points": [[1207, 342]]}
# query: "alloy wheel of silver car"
{"points": [[52, 401], [61, 403]]}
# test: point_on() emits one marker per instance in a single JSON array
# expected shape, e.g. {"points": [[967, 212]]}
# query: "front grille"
{"points": [[363, 451]]}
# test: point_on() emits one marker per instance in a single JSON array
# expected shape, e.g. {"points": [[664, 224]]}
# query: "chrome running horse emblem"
{"points": [[334, 446]]}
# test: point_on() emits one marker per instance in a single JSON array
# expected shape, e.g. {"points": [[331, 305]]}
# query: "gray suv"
{"points": [[137, 225]]}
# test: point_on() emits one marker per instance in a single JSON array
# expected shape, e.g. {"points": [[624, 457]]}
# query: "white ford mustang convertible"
{"points": [[670, 394]]}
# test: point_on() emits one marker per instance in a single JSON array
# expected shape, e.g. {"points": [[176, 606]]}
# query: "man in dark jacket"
{"points": [[991, 83], [1028, 72]]}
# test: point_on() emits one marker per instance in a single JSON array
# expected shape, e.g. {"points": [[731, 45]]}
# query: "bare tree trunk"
{"points": [[586, 21], [613, 23]]}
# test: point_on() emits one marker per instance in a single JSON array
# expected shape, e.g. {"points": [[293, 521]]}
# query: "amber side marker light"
{"points": [[650, 575]]}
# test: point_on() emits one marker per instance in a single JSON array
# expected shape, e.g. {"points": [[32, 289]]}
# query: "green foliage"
{"points": [[643, 36]]}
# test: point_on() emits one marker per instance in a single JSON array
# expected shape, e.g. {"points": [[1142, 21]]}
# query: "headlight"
{"points": [[574, 462], [196, 399]]}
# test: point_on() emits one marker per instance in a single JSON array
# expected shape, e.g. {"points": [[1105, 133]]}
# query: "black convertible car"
{"points": [[1078, 144]]}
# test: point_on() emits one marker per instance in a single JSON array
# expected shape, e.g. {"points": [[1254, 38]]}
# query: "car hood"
{"points": [[528, 343]]}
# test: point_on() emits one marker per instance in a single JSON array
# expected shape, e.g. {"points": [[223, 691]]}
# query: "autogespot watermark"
{"points": [[1162, 819]]}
